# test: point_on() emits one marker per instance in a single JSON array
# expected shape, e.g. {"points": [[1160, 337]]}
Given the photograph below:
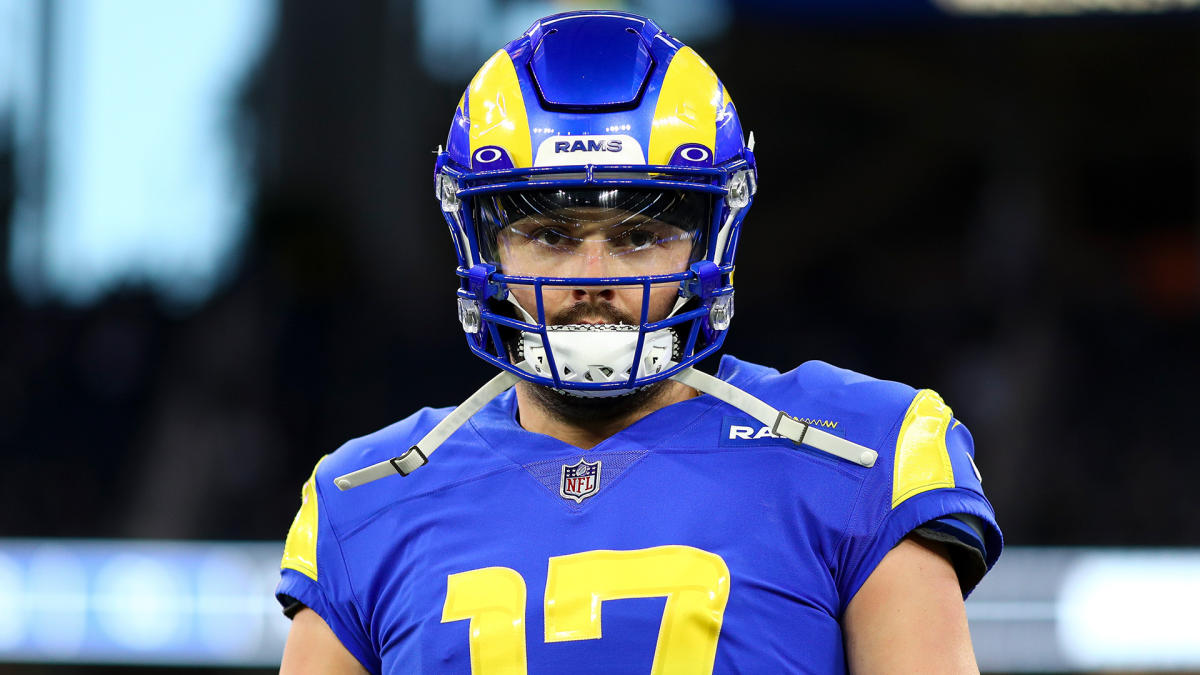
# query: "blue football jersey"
{"points": [[694, 541]]}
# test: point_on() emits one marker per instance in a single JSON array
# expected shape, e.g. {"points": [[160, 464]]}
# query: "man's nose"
{"points": [[594, 260]]}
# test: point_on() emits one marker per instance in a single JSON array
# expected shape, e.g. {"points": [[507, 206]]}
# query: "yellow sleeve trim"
{"points": [[922, 461], [687, 107], [300, 549]]}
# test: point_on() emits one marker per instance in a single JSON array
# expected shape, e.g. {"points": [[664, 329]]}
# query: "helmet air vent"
{"points": [[591, 65]]}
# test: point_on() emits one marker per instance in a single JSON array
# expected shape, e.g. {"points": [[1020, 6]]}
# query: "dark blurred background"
{"points": [[998, 206]]}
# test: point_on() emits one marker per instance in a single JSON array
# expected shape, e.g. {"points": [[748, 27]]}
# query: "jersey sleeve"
{"points": [[313, 573], [926, 483]]}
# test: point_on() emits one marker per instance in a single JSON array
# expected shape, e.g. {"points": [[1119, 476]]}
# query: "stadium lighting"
{"points": [[210, 604]]}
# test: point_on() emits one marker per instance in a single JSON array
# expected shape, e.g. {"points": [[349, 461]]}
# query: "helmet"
{"points": [[595, 130]]}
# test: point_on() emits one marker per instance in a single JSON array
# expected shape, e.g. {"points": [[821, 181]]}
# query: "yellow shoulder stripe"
{"points": [[497, 110], [300, 549], [687, 107], [922, 461]]}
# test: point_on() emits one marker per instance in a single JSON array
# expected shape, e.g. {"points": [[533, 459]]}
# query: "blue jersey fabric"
{"points": [[799, 531]]}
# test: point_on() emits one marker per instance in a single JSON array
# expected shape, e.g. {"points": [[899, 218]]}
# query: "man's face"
{"points": [[582, 242]]}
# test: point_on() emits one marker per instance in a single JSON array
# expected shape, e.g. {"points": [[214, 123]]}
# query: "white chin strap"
{"points": [[604, 353], [782, 425], [597, 353]]}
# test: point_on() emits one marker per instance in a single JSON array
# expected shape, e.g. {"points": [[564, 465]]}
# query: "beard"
{"points": [[593, 411]]}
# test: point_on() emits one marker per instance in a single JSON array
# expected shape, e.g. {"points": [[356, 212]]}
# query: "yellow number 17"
{"points": [[695, 583]]}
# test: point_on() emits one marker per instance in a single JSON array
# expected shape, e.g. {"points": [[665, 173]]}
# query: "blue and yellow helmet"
{"points": [[602, 110]]}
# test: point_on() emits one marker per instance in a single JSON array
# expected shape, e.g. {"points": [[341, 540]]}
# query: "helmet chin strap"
{"points": [[604, 353], [782, 425]]}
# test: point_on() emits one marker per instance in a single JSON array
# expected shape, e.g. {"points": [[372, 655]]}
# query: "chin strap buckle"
{"points": [[410, 461], [416, 457], [782, 424], [790, 428]]}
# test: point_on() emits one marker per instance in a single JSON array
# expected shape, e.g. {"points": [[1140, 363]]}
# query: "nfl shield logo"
{"points": [[580, 480]]}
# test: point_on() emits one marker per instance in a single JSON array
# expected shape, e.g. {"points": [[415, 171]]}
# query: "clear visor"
{"points": [[593, 232]]}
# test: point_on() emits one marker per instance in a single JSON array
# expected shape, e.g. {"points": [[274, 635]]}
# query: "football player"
{"points": [[601, 506]]}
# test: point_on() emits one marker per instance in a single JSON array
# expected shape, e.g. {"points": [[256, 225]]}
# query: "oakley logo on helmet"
{"points": [[491, 157], [692, 154], [589, 149], [487, 155]]}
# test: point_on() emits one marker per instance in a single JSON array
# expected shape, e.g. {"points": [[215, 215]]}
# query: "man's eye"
{"points": [[549, 237], [640, 238]]}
